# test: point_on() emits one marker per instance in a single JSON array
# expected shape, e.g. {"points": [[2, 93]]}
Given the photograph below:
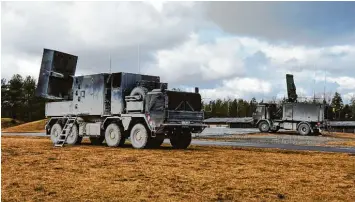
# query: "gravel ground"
{"points": [[252, 135], [285, 139], [226, 131]]}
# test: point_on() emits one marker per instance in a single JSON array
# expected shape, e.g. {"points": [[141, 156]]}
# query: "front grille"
{"points": [[184, 115]]}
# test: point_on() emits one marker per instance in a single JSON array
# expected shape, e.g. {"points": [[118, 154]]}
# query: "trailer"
{"points": [[112, 107], [305, 118]]}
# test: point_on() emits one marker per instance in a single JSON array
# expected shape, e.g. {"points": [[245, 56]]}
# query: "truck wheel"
{"points": [[73, 137], [139, 137], [97, 140], [157, 141], [113, 135], [181, 141], [316, 132], [304, 129], [264, 127], [274, 130], [56, 130]]}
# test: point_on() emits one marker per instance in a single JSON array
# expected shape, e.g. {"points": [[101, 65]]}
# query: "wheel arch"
{"points": [[51, 122]]}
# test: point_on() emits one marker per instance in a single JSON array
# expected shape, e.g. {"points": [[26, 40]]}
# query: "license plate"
{"points": [[185, 122]]}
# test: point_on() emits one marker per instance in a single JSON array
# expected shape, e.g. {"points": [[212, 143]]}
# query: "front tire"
{"points": [[139, 136], [264, 127], [56, 130], [113, 135], [181, 141], [304, 129]]}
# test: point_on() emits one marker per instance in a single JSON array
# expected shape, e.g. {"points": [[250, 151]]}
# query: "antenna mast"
{"points": [[110, 61], [139, 63]]}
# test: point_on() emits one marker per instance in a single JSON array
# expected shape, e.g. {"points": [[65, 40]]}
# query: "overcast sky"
{"points": [[228, 49]]}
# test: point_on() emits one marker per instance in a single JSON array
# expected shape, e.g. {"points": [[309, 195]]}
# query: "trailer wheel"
{"points": [[181, 141], [157, 141], [113, 135], [97, 140], [264, 127], [303, 129], [74, 138], [56, 130]]}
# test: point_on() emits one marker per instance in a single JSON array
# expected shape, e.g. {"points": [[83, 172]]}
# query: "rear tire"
{"points": [[113, 135], [304, 129], [264, 127], [316, 132], [181, 141], [157, 141], [274, 130], [139, 136], [97, 140], [74, 138]]}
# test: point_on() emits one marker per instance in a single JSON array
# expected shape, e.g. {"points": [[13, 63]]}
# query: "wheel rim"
{"points": [[112, 135], [55, 135], [264, 127], [112, 138], [72, 136], [304, 129], [139, 138]]}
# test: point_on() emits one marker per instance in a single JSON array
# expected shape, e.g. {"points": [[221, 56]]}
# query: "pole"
{"points": [[139, 65], [110, 62]]}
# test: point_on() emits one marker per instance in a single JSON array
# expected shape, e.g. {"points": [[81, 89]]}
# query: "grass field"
{"points": [[32, 170], [35, 126], [9, 122]]}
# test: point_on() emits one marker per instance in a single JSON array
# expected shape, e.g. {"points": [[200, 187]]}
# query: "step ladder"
{"points": [[65, 132]]}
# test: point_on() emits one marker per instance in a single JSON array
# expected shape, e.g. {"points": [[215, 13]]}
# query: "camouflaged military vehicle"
{"points": [[111, 107], [306, 118]]}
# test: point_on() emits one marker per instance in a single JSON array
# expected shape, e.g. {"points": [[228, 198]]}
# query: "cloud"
{"points": [[224, 48], [93, 30], [302, 23], [344, 82], [194, 61]]}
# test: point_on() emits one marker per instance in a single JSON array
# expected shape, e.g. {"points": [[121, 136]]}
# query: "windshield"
{"points": [[155, 102], [259, 109]]}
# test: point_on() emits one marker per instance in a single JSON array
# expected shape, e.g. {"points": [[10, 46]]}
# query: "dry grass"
{"points": [[32, 170], [35, 126], [9, 122], [350, 143], [340, 135]]}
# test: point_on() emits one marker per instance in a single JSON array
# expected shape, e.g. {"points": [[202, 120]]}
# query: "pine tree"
{"points": [[337, 101]]}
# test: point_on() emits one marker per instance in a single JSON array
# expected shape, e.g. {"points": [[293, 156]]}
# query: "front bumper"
{"points": [[192, 127]]}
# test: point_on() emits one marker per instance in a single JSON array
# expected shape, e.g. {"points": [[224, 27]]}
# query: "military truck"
{"points": [[111, 107], [306, 118]]}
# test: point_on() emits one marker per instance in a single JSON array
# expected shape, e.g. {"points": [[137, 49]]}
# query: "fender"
{"points": [[112, 117]]}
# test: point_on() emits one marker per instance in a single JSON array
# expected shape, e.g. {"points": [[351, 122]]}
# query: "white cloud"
{"points": [[238, 88], [196, 60], [92, 30], [344, 82]]}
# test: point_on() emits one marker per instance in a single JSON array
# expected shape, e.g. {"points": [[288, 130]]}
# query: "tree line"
{"points": [[245, 108], [18, 101]]}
